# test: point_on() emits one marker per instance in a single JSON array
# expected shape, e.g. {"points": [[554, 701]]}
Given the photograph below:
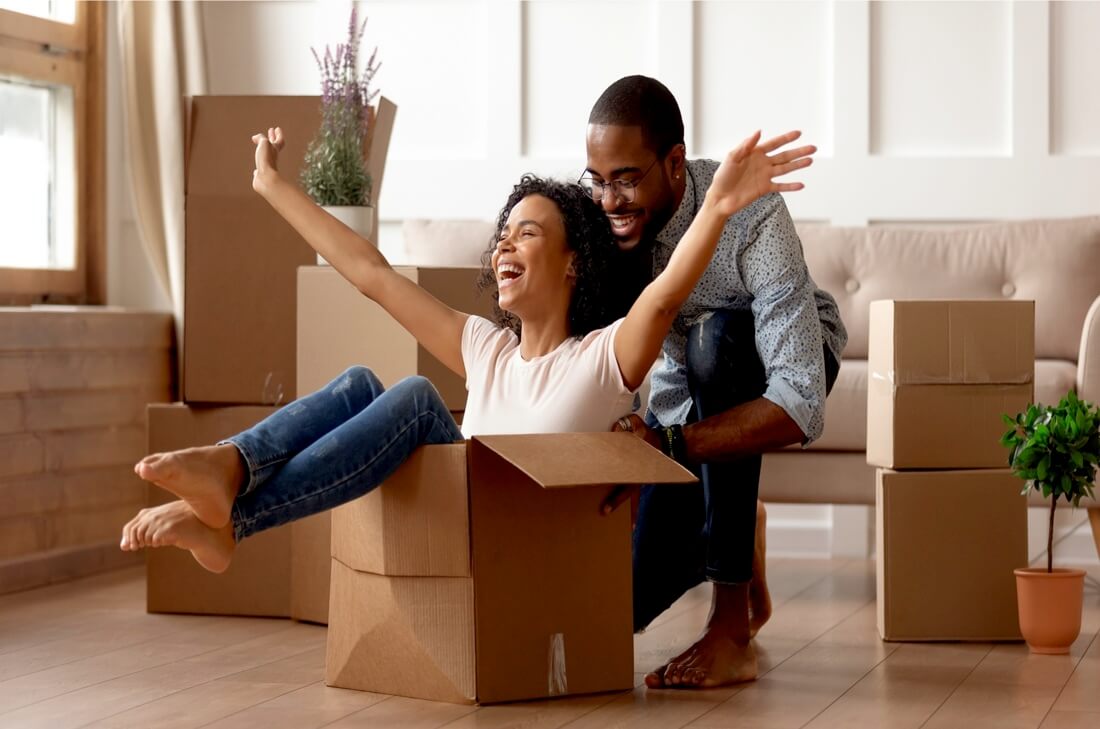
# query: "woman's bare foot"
{"points": [[207, 478], [175, 525], [722, 655], [760, 599]]}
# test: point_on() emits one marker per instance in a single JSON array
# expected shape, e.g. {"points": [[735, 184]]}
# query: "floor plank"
{"points": [[134, 688], [86, 654], [835, 620], [1014, 688], [1082, 689], [310, 707]]}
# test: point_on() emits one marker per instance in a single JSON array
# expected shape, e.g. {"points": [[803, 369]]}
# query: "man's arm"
{"points": [[745, 174], [753, 427], [788, 340]]}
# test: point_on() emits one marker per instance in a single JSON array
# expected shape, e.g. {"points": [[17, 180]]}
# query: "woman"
{"points": [[557, 361]]}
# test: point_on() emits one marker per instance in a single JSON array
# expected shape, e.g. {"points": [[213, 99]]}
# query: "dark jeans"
{"points": [[706, 531]]}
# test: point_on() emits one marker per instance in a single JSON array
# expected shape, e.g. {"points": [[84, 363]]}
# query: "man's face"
{"points": [[620, 153]]}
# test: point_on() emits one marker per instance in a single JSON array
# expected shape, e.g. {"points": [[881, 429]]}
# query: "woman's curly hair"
{"points": [[596, 301]]}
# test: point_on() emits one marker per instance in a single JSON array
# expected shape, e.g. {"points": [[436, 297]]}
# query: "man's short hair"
{"points": [[640, 101]]}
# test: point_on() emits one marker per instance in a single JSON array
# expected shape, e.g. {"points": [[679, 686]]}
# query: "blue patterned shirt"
{"points": [[759, 266]]}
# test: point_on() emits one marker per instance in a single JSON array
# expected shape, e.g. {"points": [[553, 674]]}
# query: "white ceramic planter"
{"points": [[359, 218]]}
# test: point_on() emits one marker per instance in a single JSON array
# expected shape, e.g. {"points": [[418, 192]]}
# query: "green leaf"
{"points": [[1077, 458]]}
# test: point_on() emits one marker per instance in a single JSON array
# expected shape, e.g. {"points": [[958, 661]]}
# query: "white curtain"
{"points": [[163, 61]]}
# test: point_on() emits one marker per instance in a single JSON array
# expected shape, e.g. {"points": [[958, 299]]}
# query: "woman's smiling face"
{"points": [[533, 263]]}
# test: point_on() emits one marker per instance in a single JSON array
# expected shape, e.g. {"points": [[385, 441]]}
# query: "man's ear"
{"points": [[675, 161], [570, 269]]}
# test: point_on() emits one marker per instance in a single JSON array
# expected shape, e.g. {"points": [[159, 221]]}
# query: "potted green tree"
{"points": [[1055, 449], [335, 170]]}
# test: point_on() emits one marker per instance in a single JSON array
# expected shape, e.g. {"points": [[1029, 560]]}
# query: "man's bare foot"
{"points": [[175, 525], [722, 655], [207, 478], [760, 599]]}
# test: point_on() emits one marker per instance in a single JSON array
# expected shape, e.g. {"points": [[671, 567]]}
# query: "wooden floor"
{"points": [[86, 654]]}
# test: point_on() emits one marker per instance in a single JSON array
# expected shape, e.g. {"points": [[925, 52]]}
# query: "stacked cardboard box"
{"points": [[338, 327], [239, 352], [951, 524], [484, 571]]}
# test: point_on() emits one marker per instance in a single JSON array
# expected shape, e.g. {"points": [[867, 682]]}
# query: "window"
{"points": [[52, 179]]}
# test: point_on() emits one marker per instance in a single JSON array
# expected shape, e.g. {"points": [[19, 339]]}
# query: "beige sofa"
{"points": [[1054, 262]]}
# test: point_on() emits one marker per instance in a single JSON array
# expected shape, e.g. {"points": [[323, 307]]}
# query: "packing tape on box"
{"points": [[883, 376], [557, 682]]}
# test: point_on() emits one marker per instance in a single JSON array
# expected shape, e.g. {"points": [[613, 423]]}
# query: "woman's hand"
{"points": [[267, 156], [748, 172]]}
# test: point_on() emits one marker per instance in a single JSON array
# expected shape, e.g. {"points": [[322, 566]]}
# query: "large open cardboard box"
{"points": [[941, 373], [947, 544], [258, 581], [484, 571]]}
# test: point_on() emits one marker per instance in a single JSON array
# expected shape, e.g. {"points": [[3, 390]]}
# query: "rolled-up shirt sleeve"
{"points": [[788, 327]]}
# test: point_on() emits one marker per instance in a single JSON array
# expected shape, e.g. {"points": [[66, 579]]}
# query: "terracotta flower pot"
{"points": [[1050, 607]]}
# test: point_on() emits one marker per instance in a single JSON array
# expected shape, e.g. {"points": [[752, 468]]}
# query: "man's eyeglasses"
{"points": [[622, 189]]}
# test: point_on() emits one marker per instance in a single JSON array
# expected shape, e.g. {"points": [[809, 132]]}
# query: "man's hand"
{"points": [[267, 155], [620, 494], [747, 172]]}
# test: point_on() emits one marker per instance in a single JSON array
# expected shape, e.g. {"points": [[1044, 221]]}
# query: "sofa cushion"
{"points": [[846, 407], [1054, 262]]}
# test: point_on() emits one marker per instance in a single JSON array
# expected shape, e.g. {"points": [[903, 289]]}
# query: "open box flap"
{"points": [[562, 460]]}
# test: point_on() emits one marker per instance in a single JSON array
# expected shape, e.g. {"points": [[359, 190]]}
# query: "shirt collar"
{"points": [[672, 232]]}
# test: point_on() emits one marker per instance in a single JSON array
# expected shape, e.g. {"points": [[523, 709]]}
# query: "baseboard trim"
{"points": [[59, 565], [799, 539]]}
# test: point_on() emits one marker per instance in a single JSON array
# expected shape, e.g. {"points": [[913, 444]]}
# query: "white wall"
{"points": [[923, 111]]}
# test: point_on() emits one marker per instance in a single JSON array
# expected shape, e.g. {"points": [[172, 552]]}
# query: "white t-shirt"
{"points": [[577, 388]]}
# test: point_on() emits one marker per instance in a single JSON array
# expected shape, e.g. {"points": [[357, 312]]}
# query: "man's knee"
{"points": [[721, 350]]}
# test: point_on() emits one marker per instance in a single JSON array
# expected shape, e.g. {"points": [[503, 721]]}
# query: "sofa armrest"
{"points": [[1088, 361]]}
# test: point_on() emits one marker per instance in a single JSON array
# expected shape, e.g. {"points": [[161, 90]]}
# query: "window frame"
{"points": [[41, 49]]}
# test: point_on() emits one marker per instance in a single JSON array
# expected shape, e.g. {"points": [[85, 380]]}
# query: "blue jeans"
{"points": [[706, 531], [334, 445]]}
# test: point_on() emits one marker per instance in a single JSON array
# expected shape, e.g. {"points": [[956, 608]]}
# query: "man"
{"points": [[746, 370]]}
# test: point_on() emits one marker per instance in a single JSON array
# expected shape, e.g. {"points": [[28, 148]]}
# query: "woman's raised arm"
{"points": [[435, 325]]}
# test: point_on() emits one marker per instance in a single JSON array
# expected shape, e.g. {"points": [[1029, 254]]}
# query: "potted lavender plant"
{"points": [[335, 171]]}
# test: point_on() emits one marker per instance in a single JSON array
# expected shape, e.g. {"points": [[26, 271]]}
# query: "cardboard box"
{"points": [[339, 327], [241, 256], [953, 342], [378, 145], [941, 374], [940, 426], [310, 564], [502, 580], [258, 580], [947, 544]]}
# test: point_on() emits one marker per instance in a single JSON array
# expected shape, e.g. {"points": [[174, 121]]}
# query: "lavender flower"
{"points": [[335, 171]]}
